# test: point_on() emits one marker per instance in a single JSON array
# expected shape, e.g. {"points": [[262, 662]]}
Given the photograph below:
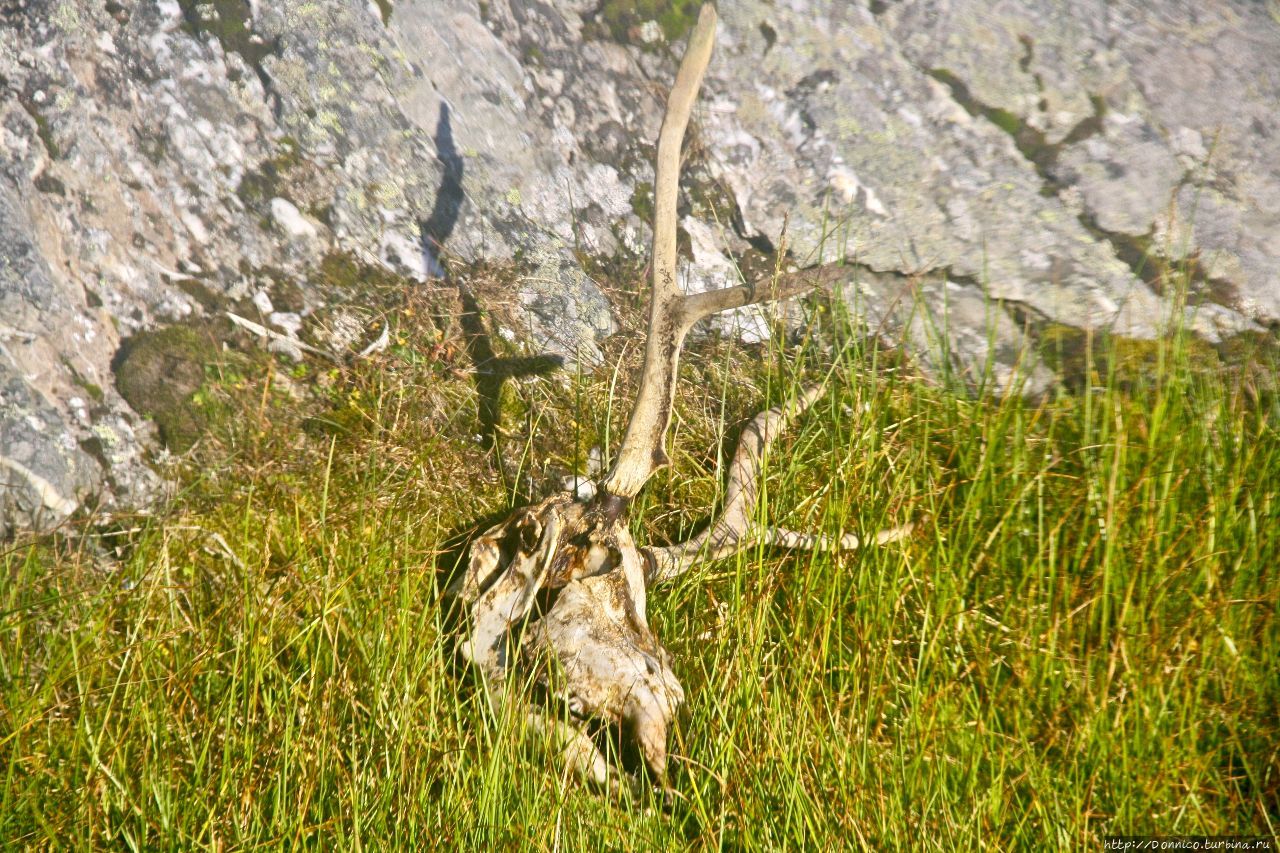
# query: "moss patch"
{"points": [[160, 374], [228, 22], [642, 201], [43, 130], [343, 277], [47, 183], [265, 183], [621, 20], [345, 421], [202, 295], [711, 200], [1083, 360], [91, 388]]}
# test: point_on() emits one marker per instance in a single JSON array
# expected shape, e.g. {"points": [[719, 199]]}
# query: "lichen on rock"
{"points": [[1089, 165]]}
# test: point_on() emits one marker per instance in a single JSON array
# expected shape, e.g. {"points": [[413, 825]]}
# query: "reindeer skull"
{"points": [[592, 647]]}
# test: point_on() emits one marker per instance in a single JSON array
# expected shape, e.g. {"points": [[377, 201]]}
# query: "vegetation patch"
{"points": [[229, 22], [623, 20], [268, 181], [95, 392], [1087, 360], [47, 183], [344, 273], [200, 293], [642, 201], [1079, 641], [43, 128], [161, 374]]}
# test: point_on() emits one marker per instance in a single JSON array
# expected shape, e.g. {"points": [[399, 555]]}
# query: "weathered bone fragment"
{"points": [[556, 593]]}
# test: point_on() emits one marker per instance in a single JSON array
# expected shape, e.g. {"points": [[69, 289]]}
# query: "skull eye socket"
{"points": [[530, 534]]}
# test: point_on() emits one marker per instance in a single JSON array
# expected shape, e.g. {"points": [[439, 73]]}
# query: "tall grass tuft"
{"points": [[1080, 639]]}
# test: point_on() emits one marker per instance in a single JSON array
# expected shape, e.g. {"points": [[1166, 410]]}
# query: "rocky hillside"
{"points": [[986, 172]]}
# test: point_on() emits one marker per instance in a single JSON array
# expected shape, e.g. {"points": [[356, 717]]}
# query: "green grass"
{"points": [[1080, 639]]}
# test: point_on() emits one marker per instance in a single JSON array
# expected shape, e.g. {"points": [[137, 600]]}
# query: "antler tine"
{"points": [[735, 529], [697, 306], [642, 449]]}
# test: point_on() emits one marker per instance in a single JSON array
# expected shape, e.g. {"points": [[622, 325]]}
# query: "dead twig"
{"points": [[263, 332]]}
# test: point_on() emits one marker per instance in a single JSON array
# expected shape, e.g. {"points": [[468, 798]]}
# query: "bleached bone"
{"points": [[736, 529], [556, 594]]}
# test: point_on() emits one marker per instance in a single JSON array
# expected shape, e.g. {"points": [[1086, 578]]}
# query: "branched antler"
{"points": [[558, 590], [736, 528], [642, 450], [672, 314]]}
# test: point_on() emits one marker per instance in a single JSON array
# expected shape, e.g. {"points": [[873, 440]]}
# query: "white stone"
{"points": [[291, 221], [290, 322], [650, 32]]}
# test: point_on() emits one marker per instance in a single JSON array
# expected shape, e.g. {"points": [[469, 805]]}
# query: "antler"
{"points": [[736, 529], [558, 590], [671, 313], [642, 450]]}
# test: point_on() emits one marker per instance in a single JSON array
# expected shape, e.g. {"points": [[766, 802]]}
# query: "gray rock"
{"points": [[44, 474], [838, 133], [567, 313], [960, 335], [56, 395], [1008, 161], [1126, 175], [1188, 149]]}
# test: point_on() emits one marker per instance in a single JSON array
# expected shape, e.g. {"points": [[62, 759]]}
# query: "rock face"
{"points": [[983, 164]]}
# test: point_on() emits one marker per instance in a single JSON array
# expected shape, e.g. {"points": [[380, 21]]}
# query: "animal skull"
{"points": [[592, 648], [558, 591]]}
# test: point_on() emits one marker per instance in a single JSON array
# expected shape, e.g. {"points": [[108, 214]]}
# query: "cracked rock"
{"points": [[1067, 161]]}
